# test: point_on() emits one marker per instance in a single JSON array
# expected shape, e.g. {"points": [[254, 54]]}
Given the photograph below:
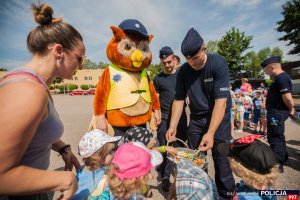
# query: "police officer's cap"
{"points": [[165, 52], [134, 26], [273, 59], [191, 44]]}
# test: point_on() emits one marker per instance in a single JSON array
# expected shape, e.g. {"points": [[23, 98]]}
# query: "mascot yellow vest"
{"points": [[124, 91]]}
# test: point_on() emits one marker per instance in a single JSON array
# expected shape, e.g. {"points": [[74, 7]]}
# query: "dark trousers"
{"points": [[42, 196], [198, 126], [276, 138], [167, 166], [120, 131]]}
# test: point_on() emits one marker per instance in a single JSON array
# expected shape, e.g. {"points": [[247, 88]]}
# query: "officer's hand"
{"points": [[207, 142], [171, 134], [157, 117]]}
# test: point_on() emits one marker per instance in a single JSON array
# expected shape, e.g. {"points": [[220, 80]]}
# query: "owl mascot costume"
{"points": [[125, 96]]}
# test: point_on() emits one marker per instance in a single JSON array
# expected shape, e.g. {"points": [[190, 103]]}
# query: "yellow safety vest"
{"points": [[124, 91]]}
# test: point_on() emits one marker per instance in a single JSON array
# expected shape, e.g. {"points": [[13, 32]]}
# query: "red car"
{"points": [[91, 92], [73, 93]]}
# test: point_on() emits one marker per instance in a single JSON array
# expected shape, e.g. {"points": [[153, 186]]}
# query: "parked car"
{"points": [[73, 93], [91, 92]]}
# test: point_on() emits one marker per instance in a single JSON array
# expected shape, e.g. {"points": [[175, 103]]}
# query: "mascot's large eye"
{"points": [[127, 47]]}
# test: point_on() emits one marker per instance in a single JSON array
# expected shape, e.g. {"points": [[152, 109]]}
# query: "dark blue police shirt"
{"points": [[165, 86], [191, 82], [281, 85]]}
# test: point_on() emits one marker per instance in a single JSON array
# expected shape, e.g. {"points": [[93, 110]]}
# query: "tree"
{"points": [[291, 25], [276, 51], [253, 63], [264, 54], [232, 46], [154, 69], [88, 64], [72, 87], [84, 87], [212, 46], [57, 80], [102, 65]]}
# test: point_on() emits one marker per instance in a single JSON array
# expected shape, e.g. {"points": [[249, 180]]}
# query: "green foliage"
{"points": [[276, 51], [264, 54], [72, 87], [252, 63], [154, 69], [88, 64], [232, 47], [57, 80], [51, 87], [291, 25], [212, 47], [92, 86], [62, 88], [253, 60], [102, 65], [84, 87], [268, 82], [2, 69]]}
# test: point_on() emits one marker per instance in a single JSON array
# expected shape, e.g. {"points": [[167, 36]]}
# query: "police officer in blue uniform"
{"points": [[164, 84], [279, 106], [205, 79]]}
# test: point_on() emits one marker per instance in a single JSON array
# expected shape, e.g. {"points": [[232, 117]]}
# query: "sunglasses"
{"points": [[80, 58]]}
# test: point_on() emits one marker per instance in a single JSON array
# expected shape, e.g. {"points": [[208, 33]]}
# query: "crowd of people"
{"points": [[248, 111], [119, 167]]}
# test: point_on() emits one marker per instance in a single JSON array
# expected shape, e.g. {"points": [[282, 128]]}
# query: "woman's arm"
{"points": [[25, 105]]}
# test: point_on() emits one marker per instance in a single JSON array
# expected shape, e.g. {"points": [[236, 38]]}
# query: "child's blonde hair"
{"points": [[251, 178], [126, 188], [97, 159]]}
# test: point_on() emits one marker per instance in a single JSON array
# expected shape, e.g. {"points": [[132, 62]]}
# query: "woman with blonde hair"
{"points": [[246, 87], [30, 124]]}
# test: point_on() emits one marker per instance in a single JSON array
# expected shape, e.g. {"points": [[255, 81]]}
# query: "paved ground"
{"points": [[76, 112]]}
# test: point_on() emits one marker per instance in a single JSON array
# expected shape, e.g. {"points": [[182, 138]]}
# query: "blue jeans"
{"points": [[198, 126]]}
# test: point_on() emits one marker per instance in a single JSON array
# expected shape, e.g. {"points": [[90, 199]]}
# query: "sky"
{"points": [[167, 20]]}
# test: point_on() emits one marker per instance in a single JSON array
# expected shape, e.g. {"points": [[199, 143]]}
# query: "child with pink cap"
{"points": [[130, 170]]}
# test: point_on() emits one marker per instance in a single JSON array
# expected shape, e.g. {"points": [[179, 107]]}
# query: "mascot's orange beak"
{"points": [[137, 58]]}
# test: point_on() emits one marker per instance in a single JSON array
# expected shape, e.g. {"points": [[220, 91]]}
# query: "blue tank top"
{"points": [[50, 129]]}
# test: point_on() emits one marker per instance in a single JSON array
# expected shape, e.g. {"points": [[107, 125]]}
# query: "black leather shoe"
{"points": [[281, 170]]}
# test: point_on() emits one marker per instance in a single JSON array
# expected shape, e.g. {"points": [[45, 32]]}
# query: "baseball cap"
{"points": [[134, 26], [237, 91], [273, 59], [192, 182], [134, 160], [137, 134], [92, 141], [251, 153]]}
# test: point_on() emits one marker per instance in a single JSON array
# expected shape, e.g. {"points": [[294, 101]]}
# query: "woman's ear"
{"points": [[57, 49]]}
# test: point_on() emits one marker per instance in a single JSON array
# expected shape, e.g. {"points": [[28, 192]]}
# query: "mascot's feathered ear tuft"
{"points": [[118, 33], [150, 38]]}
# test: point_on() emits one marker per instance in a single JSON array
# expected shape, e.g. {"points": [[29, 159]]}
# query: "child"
{"points": [[140, 134], [254, 162], [232, 112], [257, 108], [191, 182], [240, 109], [130, 171], [95, 148]]}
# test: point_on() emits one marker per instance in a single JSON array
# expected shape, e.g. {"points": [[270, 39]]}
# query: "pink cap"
{"points": [[134, 160]]}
